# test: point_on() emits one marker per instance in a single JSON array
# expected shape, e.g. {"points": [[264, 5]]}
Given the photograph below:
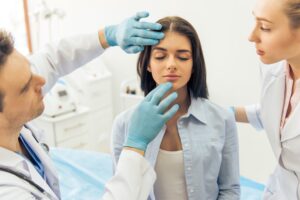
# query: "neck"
{"points": [[183, 100], [295, 67], [9, 137]]}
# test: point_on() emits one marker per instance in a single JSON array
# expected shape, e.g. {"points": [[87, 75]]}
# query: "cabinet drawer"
{"points": [[78, 142], [71, 128]]}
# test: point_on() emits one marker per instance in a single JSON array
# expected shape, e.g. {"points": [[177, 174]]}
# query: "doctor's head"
{"points": [[276, 33], [177, 58], [20, 89]]}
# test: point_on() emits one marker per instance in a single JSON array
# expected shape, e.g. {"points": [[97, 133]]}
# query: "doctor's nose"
{"points": [[253, 37], [40, 82]]}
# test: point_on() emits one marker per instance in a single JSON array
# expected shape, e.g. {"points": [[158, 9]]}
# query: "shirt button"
{"points": [[191, 190], [189, 168]]}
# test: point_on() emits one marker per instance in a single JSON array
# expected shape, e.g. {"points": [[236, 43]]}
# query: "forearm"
{"points": [[142, 153], [102, 39], [60, 59], [240, 115]]}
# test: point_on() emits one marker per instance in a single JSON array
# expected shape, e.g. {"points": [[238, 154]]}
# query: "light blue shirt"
{"points": [[210, 149], [34, 159]]}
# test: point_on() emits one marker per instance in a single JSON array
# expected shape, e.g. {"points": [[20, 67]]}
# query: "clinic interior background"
{"points": [[223, 27]]}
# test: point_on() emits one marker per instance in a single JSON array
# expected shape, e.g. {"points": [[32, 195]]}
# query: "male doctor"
{"points": [[26, 171]]}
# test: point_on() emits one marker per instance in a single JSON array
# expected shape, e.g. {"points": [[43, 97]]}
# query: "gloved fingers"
{"points": [[165, 103], [140, 15], [142, 41], [171, 112], [150, 95], [148, 25], [160, 93], [134, 49], [148, 34]]}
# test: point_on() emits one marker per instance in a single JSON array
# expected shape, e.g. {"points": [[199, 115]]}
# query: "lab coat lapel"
{"points": [[271, 109], [292, 126], [50, 171], [18, 163]]}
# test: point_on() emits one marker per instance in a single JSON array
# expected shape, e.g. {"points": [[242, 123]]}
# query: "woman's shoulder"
{"points": [[126, 114], [214, 110]]}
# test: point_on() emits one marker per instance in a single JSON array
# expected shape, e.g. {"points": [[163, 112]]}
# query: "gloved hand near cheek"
{"points": [[132, 34], [150, 116]]}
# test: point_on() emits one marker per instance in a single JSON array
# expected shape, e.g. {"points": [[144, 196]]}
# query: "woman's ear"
{"points": [[149, 69]]}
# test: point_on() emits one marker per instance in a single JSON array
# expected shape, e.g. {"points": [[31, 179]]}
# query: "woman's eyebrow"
{"points": [[184, 51], [179, 50], [159, 49]]}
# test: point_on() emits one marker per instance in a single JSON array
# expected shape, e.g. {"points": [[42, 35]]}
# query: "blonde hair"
{"points": [[292, 10]]}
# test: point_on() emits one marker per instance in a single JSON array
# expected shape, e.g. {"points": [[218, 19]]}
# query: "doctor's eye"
{"points": [[265, 29]]}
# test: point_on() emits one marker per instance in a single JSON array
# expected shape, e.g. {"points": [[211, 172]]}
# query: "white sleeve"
{"points": [[134, 178], [55, 61], [253, 115]]}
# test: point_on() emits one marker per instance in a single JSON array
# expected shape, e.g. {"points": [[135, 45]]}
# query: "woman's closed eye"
{"points": [[183, 58], [159, 57]]}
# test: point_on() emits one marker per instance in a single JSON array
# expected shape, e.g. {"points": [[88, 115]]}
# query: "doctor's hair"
{"points": [[6, 45], [6, 48], [197, 83], [292, 10]]}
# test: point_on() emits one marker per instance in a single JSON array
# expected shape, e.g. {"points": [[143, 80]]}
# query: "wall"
{"points": [[223, 26]]}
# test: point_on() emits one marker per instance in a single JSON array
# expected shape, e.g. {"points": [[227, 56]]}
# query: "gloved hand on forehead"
{"points": [[150, 116], [132, 34]]}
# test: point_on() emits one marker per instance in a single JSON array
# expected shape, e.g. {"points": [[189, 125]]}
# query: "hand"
{"points": [[132, 35], [150, 116]]}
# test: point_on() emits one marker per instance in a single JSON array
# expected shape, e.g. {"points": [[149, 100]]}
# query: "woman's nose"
{"points": [[171, 65]]}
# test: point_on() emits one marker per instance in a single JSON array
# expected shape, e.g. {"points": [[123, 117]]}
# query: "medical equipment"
{"points": [[25, 178], [59, 100], [64, 122], [69, 130], [94, 90]]}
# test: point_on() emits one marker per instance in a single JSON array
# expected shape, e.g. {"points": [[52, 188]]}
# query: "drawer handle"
{"points": [[74, 127]]}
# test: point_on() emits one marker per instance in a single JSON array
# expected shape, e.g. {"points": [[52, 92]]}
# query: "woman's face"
{"points": [[172, 60], [274, 39]]}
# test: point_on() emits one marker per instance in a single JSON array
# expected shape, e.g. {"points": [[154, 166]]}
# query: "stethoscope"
{"points": [[27, 179], [23, 176]]}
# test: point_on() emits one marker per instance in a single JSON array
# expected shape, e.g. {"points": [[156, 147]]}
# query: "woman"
{"points": [[277, 39], [195, 155]]}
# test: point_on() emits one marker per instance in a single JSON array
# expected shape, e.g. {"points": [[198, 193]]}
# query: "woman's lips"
{"points": [[171, 77]]}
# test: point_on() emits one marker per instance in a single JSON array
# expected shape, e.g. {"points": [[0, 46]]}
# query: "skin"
{"points": [[274, 39], [172, 61], [23, 99]]}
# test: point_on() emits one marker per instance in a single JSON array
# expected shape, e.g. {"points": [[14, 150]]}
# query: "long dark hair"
{"points": [[197, 83]]}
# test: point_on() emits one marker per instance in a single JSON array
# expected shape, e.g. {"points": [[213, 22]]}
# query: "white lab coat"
{"points": [[284, 183], [134, 178]]}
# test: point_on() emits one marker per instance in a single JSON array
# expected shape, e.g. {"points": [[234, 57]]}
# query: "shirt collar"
{"points": [[197, 109]]}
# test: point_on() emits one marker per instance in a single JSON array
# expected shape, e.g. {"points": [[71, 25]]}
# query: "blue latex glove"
{"points": [[132, 35], [150, 116]]}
